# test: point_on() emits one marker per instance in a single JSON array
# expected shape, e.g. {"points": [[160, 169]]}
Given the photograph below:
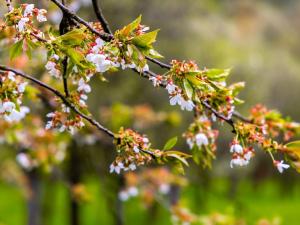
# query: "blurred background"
{"points": [[258, 39]]}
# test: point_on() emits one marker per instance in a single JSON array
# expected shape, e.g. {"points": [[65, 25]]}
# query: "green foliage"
{"points": [[170, 143], [16, 50]]}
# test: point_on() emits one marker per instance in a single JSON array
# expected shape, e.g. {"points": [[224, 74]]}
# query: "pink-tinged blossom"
{"points": [[164, 189], [41, 15], [156, 81], [281, 166]]}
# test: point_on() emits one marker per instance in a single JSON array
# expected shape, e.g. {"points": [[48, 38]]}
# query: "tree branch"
{"points": [[62, 97], [100, 17]]}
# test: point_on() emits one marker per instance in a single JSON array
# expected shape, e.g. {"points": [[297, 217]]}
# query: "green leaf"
{"points": [[76, 57], [16, 49], [72, 38], [188, 88], [236, 88], [294, 147], [132, 26], [293, 151], [217, 74], [145, 40], [170, 143], [180, 156], [154, 54]]}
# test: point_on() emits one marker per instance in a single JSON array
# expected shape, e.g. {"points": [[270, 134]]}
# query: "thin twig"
{"points": [[161, 64], [62, 97], [67, 11], [100, 17]]}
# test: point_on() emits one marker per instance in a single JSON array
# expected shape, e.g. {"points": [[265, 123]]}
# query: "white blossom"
{"points": [[22, 23], [281, 166], [41, 15], [171, 88], [239, 161], [155, 81], [176, 99], [164, 188], [22, 86], [51, 67], [24, 161], [83, 86], [188, 105], [28, 10], [132, 191], [8, 106], [236, 148], [100, 61], [49, 125], [123, 195], [201, 139], [132, 166], [11, 76], [136, 149], [190, 142]]}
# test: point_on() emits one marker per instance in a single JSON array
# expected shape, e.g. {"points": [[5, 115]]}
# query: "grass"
{"points": [[267, 200]]}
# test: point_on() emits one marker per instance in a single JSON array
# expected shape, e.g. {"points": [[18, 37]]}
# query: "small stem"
{"points": [[270, 153]]}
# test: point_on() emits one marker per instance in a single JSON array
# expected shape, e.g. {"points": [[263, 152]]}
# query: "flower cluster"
{"points": [[273, 123], [53, 66], [189, 85], [250, 134], [240, 155], [201, 138], [177, 97], [11, 93], [132, 149], [23, 17], [64, 120], [99, 57]]}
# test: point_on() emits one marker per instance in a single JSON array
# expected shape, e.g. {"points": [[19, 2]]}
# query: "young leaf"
{"points": [[170, 143], [16, 49], [132, 26], [72, 38], [145, 40], [188, 88]]}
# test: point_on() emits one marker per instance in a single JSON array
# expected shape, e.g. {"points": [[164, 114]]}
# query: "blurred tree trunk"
{"points": [[33, 203], [119, 214], [74, 176]]}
